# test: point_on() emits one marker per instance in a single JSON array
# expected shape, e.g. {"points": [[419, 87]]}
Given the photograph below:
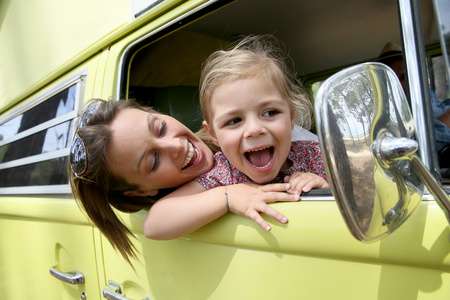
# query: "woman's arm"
{"points": [[191, 207]]}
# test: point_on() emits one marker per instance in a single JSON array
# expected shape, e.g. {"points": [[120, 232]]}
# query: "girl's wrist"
{"points": [[226, 199]]}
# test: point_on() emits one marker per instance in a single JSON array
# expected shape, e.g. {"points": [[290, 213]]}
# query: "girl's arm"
{"points": [[191, 207]]}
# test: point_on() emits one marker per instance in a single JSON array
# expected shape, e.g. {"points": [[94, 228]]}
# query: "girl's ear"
{"points": [[210, 133], [141, 193], [292, 119]]}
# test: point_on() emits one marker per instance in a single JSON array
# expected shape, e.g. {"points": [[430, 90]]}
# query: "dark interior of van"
{"points": [[321, 38]]}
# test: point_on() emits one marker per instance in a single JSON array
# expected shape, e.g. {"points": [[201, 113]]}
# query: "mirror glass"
{"points": [[355, 109]]}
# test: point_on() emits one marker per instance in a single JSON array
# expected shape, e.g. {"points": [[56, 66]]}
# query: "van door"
{"points": [[314, 255], [47, 245]]}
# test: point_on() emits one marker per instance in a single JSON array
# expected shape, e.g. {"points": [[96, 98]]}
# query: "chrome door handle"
{"points": [[114, 292], [72, 277]]}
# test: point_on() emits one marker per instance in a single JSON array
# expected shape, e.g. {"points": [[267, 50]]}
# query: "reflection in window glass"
{"points": [[10, 128], [57, 105], [50, 172], [52, 139], [42, 170]]}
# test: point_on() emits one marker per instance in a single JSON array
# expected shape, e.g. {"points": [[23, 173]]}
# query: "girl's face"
{"points": [[155, 151], [252, 124]]}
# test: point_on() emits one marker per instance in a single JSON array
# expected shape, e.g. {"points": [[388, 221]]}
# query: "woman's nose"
{"points": [[171, 146], [254, 128]]}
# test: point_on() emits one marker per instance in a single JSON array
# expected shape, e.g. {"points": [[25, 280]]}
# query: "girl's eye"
{"points": [[162, 130], [270, 113], [233, 121]]}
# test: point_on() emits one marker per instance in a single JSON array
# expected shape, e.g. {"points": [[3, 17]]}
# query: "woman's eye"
{"points": [[162, 130], [270, 113], [155, 162], [233, 121]]}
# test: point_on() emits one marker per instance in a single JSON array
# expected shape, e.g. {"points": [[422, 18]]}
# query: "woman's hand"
{"points": [[249, 200]]}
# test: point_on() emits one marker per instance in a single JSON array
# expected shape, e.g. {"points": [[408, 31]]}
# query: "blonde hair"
{"points": [[255, 56]]}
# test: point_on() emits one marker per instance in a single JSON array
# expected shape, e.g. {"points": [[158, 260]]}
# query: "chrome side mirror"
{"points": [[366, 133]]}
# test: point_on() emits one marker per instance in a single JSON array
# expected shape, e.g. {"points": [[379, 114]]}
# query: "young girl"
{"points": [[249, 101]]}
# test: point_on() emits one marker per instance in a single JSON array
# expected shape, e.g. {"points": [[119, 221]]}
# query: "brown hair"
{"points": [[99, 190], [255, 56]]}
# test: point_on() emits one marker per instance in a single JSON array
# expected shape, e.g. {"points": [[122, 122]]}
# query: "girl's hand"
{"points": [[304, 182], [249, 200]]}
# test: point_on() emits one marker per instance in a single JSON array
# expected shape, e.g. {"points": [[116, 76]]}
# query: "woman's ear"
{"points": [[141, 193], [210, 133]]}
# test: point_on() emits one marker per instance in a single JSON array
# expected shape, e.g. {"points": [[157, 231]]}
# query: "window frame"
{"points": [[79, 80]]}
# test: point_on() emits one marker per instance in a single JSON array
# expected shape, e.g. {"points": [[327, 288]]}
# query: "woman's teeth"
{"points": [[192, 150]]}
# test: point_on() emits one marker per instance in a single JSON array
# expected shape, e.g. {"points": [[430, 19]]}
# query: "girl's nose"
{"points": [[254, 128]]}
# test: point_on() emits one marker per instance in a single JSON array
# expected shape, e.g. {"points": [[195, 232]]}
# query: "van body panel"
{"points": [[313, 254], [61, 38], [42, 234]]}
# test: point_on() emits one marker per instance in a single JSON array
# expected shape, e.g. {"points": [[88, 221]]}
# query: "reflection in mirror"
{"points": [[355, 109]]}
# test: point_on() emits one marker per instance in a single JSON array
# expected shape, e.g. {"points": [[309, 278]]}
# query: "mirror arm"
{"points": [[439, 194], [388, 149]]}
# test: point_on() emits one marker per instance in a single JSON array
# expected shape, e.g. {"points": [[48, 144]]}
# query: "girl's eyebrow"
{"points": [[145, 150], [227, 114]]}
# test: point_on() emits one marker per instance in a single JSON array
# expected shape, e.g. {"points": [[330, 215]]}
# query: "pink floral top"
{"points": [[305, 156]]}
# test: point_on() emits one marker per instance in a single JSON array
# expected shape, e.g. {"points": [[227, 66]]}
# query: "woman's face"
{"points": [[155, 151]]}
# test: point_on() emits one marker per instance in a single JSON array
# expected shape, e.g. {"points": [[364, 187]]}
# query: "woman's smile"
{"points": [[155, 151], [193, 156]]}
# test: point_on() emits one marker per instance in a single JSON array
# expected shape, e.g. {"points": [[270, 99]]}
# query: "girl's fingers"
{"points": [[279, 192], [276, 215], [272, 212], [267, 194], [255, 216], [316, 183], [276, 187], [306, 182], [281, 197]]}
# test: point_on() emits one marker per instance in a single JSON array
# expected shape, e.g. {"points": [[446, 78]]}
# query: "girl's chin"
{"points": [[262, 178]]}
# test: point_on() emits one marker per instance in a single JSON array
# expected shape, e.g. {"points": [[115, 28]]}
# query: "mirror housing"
{"points": [[366, 134]]}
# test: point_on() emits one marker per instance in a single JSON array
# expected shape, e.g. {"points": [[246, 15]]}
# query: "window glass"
{"points": [[55, 106], [34, 144], [48, 172], [51, 139]]}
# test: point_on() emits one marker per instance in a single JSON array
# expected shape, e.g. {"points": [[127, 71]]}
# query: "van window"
{"points": [[437, 78], [171, 84], [35, 140]]}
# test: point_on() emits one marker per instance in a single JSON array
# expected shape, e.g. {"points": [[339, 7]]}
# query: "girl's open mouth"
{"points": [[260, 158]]}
